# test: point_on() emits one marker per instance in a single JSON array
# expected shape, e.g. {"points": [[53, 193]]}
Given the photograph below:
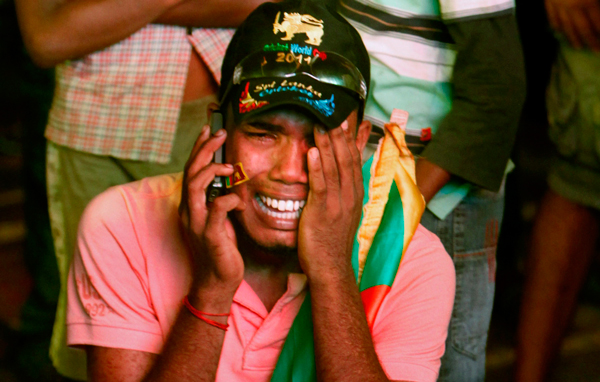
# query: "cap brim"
{"points": [[329, 103]]}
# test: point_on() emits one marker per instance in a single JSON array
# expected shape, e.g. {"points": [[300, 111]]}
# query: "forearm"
{"points": [[193, 349], [194, 345], [57, 31], [343, 345], [430, 178], [475, 139], [209, 14]]}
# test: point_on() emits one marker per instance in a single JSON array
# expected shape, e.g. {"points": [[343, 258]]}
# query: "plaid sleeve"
{"points": [[211, 45], [123, 101]]}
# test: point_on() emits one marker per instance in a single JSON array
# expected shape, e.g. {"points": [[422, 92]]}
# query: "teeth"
{"points": [[282, 204], [289, 209]]}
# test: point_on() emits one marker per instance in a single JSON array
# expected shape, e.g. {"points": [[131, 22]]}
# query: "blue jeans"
{"points": [[470, 235]]}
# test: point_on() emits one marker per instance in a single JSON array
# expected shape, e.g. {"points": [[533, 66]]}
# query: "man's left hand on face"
{"points": [[330, 219]]}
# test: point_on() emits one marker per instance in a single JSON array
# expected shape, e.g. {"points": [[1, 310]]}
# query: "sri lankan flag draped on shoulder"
{"points": [[392, 210]]}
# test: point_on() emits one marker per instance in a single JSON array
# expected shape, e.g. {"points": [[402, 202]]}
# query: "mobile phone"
{"points": [[217, 186]]}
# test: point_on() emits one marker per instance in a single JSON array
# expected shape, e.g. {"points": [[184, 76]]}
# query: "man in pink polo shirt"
{"points": [[169, 284]]}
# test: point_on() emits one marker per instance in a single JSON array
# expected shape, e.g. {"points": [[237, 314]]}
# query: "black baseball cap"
{"points": [[296, 52]]}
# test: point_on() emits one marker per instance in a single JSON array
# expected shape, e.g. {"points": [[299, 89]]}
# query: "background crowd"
{"points": [[29, 285]]}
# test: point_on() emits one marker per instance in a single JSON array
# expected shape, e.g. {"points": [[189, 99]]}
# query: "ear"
{"points": [[210, 109], [362, 135]]}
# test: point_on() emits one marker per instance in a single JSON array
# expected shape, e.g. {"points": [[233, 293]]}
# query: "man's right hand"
{"points": [[218, 267], [578, 20]]}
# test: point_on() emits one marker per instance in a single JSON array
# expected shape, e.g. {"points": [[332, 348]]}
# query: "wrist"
{"points": [[217, 320], [213, 286], [430, 178], [216, 301], [337, 274]]}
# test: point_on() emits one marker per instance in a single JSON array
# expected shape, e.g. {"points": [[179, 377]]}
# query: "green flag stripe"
{"points": [[297, 360], [366, 173], [386, 251]]}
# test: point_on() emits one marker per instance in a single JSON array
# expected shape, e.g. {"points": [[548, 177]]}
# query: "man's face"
{"points": [[272, 147]]}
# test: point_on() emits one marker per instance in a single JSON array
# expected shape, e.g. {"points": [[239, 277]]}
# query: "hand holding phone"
{"points": [[217, 187]]}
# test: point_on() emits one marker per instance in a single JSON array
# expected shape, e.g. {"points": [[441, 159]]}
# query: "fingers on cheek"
{"points": [[348, 134], [315, 172], [352, 161], [339, 137], [360, 194], [351, 142], [322, 141], [357, 181], [346, 161]]}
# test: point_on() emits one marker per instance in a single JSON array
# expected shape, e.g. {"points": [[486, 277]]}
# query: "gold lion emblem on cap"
{"points": [[296, 23]]}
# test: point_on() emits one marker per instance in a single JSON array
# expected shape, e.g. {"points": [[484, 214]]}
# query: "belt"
{"points": [[416, 140]]}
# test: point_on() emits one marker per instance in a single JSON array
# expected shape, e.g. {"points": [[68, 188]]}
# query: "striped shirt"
{"points": [[124, 101], [412, 62]]}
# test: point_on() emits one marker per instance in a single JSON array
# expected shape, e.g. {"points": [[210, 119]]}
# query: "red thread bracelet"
{"points": [[200, 314]]}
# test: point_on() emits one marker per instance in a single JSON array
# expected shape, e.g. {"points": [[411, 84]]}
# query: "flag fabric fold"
{"points": [[392, 210]]}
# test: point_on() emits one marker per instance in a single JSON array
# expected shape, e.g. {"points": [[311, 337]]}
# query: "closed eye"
{"points": [[261, 136], [261, 131]]}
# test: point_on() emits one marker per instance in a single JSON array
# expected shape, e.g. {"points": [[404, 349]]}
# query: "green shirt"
{"points": [[457, 68]]}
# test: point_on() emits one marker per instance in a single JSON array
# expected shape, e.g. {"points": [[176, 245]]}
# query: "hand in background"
{"points": [[577, 20]]}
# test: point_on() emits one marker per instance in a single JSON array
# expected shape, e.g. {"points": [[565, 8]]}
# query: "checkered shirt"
{"points": [[124, 101]]}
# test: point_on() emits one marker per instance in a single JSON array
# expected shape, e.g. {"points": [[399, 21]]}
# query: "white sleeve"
{"points": [[458, 10]]}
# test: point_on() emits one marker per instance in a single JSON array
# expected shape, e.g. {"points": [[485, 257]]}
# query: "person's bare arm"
{"points": [[209, 14], [125, 365], [430, 178], [58, 30], [343, 346], [474, 139], [578, 20], [191, 353], [193, 348], [55, 30]]}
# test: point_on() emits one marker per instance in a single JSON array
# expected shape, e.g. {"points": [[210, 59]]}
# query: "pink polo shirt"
{"points": [[132, 269]]}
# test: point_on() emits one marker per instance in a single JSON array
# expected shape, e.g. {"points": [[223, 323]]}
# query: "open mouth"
{"points": [[280, 208]]}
